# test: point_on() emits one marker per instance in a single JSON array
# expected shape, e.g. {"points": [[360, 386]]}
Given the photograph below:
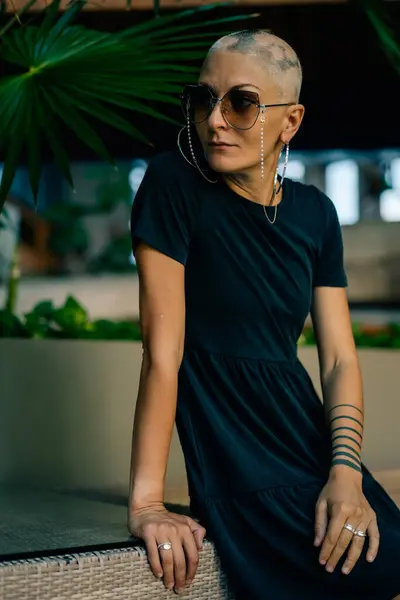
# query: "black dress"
{"points": [[253, 431]]}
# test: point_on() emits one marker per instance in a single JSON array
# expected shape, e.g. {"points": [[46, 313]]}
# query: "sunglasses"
{"points": [[240, 108]]}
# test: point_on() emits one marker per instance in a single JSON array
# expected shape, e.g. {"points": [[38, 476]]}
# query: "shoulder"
{"points": [[311, 195], [169, 167], [168, 189], [317, 205]]}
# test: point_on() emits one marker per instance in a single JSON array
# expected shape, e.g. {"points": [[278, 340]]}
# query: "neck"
{"points": [[250, 185]]}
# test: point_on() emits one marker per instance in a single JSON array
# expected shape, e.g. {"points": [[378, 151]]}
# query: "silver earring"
{"points": [[193, 164], [180, 147], [272, 221], [285, 164]]}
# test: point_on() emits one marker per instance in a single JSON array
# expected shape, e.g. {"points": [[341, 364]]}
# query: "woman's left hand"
{"points": [[342, 501]]}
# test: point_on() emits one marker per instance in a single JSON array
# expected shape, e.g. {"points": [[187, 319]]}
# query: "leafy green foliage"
{"points": [[114, 258], [71, 321], [378, 14], [64, 73], [70, 234], [67, 72], [4, 219], [365, 336]]}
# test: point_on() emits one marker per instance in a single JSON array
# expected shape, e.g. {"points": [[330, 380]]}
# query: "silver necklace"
{"points": [[272, 221]]}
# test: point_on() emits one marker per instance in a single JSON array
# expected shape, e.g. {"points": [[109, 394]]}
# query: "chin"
{"points": [[222, 164]]}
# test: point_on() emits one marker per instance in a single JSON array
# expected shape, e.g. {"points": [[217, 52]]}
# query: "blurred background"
{"points": [[70, 351], [349, 146]]}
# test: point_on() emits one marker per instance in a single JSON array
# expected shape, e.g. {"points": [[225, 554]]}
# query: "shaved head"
{"points": [[275, 55]]}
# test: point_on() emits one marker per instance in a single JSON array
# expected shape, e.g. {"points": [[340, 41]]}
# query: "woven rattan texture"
{"points": [[107, 575]]}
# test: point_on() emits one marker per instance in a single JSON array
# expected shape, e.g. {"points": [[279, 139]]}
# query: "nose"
{"points": [[216, 119]]}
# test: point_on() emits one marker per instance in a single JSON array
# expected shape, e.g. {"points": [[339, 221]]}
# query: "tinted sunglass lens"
{"points": [[241, 108], [196, 102]]}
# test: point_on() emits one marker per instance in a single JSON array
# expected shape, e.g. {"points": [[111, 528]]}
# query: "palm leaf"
{"points": [[71, 74], [172, 18], [165, 33], [49, 124], [61, 104], [33, 141], [14, 149], [88, 103], [379, 18], [16, 18]]}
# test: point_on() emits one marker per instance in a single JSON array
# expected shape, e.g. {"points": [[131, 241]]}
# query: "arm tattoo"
{"points": [[344, 453]]}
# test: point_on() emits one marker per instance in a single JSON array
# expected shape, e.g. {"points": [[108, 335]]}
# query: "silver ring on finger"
{"points": [[165, 546], [360, 533], [350, 528]]}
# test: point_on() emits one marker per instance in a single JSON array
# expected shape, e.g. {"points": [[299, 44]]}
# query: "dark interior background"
{"points": [[351, 91]]}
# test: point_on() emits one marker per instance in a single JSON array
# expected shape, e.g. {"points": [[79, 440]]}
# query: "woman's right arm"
{"points": [[162, 320]]}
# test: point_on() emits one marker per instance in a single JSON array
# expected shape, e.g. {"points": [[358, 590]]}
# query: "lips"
{"points": [[220, 145]]}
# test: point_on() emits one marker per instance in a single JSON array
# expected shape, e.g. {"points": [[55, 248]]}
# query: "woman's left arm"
{"points": [[342, 501]]}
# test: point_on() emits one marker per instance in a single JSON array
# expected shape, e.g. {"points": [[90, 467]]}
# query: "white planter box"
{"points": [[66, 413]]}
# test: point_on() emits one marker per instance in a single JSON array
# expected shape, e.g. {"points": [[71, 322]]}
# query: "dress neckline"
{"points": [[255, 207]]}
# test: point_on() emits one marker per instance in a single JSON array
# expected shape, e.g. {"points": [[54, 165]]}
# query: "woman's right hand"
{"points": [[156, 525]]}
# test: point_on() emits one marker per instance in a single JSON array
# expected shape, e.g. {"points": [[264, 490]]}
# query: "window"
{"points": [[296, 170], [136, 175], [389, 204], [342, 186]]}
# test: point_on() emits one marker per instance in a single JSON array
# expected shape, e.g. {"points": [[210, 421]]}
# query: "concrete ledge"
{"points": [[67, 412]]}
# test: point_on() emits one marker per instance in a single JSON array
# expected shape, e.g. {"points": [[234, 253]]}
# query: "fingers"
{"points": [[167, 561], [191, 540], [198, 532], [355, 549], [337, 538], [153, 555], [374, 539], [179, 565], [321, 522], [192, 556]]}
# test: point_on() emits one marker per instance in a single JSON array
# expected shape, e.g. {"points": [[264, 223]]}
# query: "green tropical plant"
{"points": [[365, 336], [69, 74], [69, 321], [69, 231], [388, 35], [72, 321], [65, 72], [3, 219]]}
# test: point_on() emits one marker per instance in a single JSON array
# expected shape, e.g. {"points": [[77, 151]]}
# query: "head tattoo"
{"points": [[278, 58]]}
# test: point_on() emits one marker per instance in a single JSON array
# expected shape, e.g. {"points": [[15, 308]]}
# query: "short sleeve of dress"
{"points": [[329, 268], [161, 213]]}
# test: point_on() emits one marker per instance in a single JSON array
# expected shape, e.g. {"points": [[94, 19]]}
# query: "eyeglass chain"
{"points": [[196, 165]]}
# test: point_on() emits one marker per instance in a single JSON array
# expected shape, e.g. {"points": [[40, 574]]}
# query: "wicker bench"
{"points": [[116, 574], [61, 545], [106, 566]]}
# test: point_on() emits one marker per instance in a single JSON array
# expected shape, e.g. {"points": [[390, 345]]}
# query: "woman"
{"points": [[231, 259]]}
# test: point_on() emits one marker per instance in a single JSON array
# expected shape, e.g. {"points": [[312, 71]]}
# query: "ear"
{"points": [[293, 121]]}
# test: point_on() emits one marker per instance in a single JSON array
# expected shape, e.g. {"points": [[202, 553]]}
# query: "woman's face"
{"points": [[223, 71]]}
